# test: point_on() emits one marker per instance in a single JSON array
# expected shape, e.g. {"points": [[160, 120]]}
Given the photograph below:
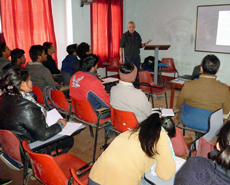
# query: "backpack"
{"points": [[149, 63]]}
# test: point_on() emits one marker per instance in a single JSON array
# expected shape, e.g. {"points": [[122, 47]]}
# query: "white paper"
{"points": [[70, 128], [52, 117], [167, 112], [179, 80], [110, 79], [223, 29]]}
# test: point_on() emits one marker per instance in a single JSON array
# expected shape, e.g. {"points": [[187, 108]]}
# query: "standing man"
{"points": [[130, 44]]}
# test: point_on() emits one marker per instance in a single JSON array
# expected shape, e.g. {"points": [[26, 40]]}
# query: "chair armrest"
{"points": [[106, 64], [103, 110]]}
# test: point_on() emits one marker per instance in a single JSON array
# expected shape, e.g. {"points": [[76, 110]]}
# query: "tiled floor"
{"points": [[83, 147]]}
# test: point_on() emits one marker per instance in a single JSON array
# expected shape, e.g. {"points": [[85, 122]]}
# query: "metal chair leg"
{"points": [[91, 131], [166, 100]]}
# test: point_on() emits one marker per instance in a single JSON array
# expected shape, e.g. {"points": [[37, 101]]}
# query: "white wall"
{"points": [[173, 22], [71, 25]]}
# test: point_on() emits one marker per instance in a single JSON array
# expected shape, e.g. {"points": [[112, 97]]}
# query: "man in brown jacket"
{"points": [[206, 92]]}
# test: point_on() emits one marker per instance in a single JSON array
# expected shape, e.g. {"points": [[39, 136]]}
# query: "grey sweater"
{"points": [[40, 75]]}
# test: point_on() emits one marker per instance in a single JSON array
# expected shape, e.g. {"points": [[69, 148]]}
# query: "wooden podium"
{"points": [[156, 48]]}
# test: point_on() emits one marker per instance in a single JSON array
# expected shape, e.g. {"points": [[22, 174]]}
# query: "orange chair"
{"points": [[76, 178], [84, 112], [54, 170], [204, 148], [121, 121], [170, 66], [179, 145], [112, 65], [38, 92], [148, 86], [10, 146], [60, 102]]}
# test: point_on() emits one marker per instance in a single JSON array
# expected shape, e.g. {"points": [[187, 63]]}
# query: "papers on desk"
{"points": [[179, 80], [110, 79], [53, 116], [163, 112]]}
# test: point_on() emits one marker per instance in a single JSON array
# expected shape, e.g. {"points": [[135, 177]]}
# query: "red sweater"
{"points": [[82, 82]]}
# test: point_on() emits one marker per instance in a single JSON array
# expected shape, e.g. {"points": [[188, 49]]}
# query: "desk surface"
{"points": [[158, 181], [37, 145]]}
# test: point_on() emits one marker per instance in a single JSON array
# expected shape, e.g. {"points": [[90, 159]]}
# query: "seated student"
{"points": [[21, 114], [83, 50], [4, 55], [50, 62], [67, 63], [133, 153], [17, 59], [124, 96], [40, 75], [85, 85], [199, 170]]}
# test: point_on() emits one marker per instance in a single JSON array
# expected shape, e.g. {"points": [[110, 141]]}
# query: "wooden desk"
{"points": [[173, 87]]}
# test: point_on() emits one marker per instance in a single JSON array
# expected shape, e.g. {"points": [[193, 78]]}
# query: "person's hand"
{"points": [[63, 121], [121, 60], [148, 41]]}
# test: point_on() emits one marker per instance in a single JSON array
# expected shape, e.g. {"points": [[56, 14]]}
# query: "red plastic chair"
{"points": [[204, 148], [112, 65], [84, 112], [123, 120], [54, 170], [60, 102], [179, 145], [38, 92], [10, 145], [170, 66], [149, 88]]}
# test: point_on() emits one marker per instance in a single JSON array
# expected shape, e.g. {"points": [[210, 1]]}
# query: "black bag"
{"points": [[149, 63]]}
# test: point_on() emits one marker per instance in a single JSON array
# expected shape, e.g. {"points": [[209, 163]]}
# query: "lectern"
{"points": [[156, 48]]}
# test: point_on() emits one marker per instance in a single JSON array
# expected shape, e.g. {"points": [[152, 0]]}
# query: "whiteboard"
{"points": [[213, 29]]}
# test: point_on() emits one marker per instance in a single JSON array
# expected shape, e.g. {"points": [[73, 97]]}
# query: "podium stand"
{"points": [[156, 48]]}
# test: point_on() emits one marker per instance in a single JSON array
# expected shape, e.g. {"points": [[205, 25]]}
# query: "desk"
{"points": [[153, 179], [37, 145]]}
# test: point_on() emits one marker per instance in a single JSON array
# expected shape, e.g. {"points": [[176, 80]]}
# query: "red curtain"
{"points": [[106, 28], [26, 23]]}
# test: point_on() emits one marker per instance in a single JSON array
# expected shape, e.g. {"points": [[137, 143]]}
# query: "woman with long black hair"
{"points": [[133, 153]]}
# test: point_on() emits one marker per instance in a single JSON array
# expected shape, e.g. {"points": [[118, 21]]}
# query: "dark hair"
{"points": [[11, 81], [210, 64], [149, 134], [90, 61], [34, 51], [82, 49], [224, 139], [15, 54], [169, 126], [126, 68], [71, 48], [46, 46], [2, 48]]}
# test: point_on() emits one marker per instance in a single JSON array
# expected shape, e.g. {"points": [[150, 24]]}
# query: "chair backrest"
{"points": [[195, 118], [179, 145], [144, 76], [59, 101], [204, 148], [38, 92], [114, 67], [84, 110], [123, 120], [45, 167], [10, 144], [170, 65], [215, 122]]}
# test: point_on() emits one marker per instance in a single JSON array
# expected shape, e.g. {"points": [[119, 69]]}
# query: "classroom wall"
{"points": [[173, 22], [71, 25]]}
